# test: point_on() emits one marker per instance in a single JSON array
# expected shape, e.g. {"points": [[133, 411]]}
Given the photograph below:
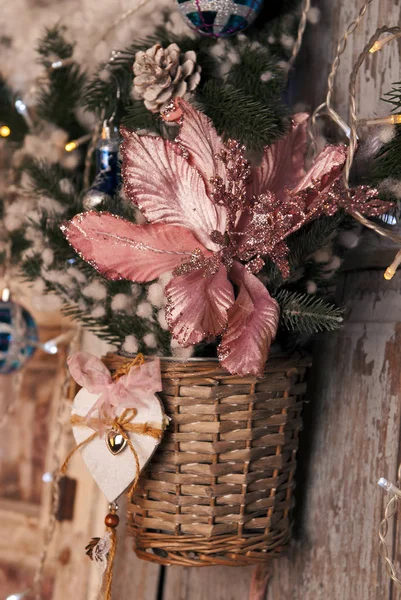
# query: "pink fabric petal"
{"points": [[197, 305], [89, 372], [283, 162], [325, 169], [120, 249], [161, 182], [200, 139], [252, 325]]}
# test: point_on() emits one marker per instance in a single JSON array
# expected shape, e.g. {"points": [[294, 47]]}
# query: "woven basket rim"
{"points": [[173, 367]]}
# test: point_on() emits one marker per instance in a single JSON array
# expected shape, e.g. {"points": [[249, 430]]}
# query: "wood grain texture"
{"points": [[376, 75], [208, 583], [134, 578], [356, 429]]}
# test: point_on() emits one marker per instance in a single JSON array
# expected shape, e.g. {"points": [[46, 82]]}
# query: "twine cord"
{"points": [[354, 141], [389, 513], [110, 562], [341, 46], [352, 100], [126, 367], [128, 13], [394, 32], [301, 30]]}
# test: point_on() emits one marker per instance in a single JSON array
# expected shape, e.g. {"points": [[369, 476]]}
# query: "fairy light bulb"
{"points": [[73, 144], [70, 146], [17, 596], [389, 487], [378, 45], [392, 269], [5, 295], [5, 131], [50, 347], [390, 120], [389, 274], [22, 110]]}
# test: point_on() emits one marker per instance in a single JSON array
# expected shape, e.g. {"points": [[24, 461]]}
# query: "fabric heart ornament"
{"points": [[116, 445]]}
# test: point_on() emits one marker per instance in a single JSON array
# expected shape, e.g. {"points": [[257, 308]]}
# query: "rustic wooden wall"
{"points": [[353, 420]]}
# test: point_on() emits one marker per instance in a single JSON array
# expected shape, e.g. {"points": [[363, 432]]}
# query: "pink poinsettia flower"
{"points": [[212, 220]]}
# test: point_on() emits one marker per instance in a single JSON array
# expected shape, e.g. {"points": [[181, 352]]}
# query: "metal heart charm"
{"points": [[115, 442]]}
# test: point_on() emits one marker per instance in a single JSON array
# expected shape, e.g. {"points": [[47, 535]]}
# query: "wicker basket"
{"points": [[218, 490]]}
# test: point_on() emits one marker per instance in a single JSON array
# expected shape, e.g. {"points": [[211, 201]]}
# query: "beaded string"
{"points": [[111, 521]]}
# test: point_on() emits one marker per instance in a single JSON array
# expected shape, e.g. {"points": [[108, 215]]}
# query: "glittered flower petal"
{"points": [[120, 249], [199, 138], [252, 325], [197, 305], [160, 181], [283, 162], [326, 168]]}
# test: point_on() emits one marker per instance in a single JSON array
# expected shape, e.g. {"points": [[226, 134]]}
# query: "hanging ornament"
{"points": [[219, 18], [117, 422], [107, 169], [18, 336]]}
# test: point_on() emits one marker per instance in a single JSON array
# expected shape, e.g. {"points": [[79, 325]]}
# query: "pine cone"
{"points": [[161, 74]]}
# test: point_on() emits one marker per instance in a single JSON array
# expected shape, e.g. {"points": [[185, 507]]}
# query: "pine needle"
{"points": [[307, 314]]}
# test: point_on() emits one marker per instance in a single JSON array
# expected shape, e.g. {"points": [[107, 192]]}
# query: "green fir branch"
{"points": [[311, 237], [137, 116], [307, 314], [248, 74], [239, 115], [59, 95], [53, 45], [46, 180]]}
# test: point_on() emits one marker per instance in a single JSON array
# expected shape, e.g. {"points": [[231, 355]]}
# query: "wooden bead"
{"points": [[112, 520]]}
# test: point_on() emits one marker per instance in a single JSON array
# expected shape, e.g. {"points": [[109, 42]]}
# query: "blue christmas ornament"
{"points": [[18, 337], [107, 170], [219, 18]]}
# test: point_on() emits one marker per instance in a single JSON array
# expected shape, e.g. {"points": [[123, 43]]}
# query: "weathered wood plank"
{"points": [[207, 583], [357, 418], [132, 577]]}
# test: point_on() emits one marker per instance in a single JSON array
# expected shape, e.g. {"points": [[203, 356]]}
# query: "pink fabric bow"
{"points": [[135, 388]]}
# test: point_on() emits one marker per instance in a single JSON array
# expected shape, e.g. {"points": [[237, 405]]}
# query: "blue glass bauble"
{"points": [[18, 337], [219, 18], [107, 172]]}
